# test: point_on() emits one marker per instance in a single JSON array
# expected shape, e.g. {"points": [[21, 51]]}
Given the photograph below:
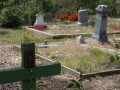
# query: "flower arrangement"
{"points": [[63, 16], [73, 17], [70, 17]]}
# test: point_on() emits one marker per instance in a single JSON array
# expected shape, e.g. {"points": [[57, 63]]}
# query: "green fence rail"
{"points": [[29, 71]]}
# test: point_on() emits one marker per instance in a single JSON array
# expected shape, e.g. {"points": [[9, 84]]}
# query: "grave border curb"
{"points": [[60, 36]]}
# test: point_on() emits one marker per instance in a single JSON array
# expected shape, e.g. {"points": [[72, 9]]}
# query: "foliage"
{"points": [[92, 22], [112, 25], [97, 52], [114, 58], [10, 18], [76, 85], [29, 37], [113, 6], [66, 22], [117, 43]]}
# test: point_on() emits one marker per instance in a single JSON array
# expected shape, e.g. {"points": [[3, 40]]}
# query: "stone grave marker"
{"points": [[39, 19], [48, 17], [39, 23], [101, 23], [83, 17]]}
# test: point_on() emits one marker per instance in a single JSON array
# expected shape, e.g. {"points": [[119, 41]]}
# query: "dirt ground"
{"points": [[11, 58]]}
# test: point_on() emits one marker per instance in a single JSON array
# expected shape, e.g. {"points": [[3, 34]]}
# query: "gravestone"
{"points": [[39, 19], [101, 23], [48, 17], [83, 17], [39, 23]]}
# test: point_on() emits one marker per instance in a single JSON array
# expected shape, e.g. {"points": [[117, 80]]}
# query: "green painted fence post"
{"points": [[28, 61], [29, 70]]}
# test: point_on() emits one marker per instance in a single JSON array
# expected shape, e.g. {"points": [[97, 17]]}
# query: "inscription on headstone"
{"points": [[83, 17], [101, 23]]}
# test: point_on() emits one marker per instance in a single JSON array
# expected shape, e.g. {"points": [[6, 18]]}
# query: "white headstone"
{"points": [[39, 19]]}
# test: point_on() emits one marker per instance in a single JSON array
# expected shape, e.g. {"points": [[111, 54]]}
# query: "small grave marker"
{"points": [[48, 17], [83, 17], [29, 70], [80, 39], [101, 23]]}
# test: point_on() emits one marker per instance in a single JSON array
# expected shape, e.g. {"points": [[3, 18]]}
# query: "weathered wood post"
{"points": [[29, 70]]}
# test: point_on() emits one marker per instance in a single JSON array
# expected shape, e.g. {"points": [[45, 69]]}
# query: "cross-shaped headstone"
{"points": [[29, 71]]}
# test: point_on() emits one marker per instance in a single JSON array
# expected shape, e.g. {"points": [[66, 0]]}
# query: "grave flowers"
{"points": [[70, 17], [63, 16], [73, 17]]}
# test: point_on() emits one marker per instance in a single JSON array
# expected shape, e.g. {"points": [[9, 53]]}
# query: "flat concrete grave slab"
{"points": [[47, 45]]}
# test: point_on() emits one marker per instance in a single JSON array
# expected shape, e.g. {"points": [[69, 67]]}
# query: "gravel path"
{"points": [[11, 58]]}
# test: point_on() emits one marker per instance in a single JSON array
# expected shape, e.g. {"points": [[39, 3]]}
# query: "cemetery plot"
{"points": [[12, 58], [92, 56]]}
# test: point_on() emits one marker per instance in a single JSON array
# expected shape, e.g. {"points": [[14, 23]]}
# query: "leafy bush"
{"points": [[92, 22], [66, 22], [32, 17], [114, 58], [10, 18], [76, 85]]}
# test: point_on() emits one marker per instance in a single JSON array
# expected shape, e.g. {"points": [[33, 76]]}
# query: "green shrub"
{"points": [[97, 52], [114, 58], [92, 22], [76, 85], [10, 18], [66, 22], [32, 17]]}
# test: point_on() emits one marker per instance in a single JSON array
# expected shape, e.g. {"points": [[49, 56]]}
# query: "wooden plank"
{"points": [[102, 73], [20, 73]]}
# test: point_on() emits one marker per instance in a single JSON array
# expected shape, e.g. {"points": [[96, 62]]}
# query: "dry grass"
{"points": [[71, 30], [78, 57]]}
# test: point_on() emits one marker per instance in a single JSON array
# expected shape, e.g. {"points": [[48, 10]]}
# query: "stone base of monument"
{"points": [[85, 23], [102, 38]]}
